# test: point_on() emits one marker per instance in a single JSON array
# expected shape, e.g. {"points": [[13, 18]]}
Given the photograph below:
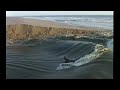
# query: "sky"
{"points": [[38, 13]]}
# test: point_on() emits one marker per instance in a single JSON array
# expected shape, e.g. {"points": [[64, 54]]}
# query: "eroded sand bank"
{"points": [[24, 28]]}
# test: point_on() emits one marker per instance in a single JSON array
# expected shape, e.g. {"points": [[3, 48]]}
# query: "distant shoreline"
{"points": [[47, 23], [24, 28]]}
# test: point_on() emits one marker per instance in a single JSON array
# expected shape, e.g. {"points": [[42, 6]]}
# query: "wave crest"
{"points": [[99, 50]]}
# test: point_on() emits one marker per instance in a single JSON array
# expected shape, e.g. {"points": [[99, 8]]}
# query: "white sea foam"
{"points": [[99, 50], [105, 22]]}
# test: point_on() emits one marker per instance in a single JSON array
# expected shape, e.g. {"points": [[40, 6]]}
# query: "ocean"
{"points": [[45, 59], [91, 21]]}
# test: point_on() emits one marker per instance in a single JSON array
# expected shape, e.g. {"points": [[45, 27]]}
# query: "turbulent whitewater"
{"points": [[98, 51]]}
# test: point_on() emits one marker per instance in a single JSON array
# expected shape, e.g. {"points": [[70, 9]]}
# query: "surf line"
{"points": [[99, 50]]}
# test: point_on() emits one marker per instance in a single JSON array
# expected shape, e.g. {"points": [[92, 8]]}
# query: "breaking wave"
{"points": [[98, 51], [46, 57]]}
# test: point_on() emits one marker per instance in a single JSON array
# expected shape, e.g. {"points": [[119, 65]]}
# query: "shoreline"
{"points": [[78, 26], [48, 23], [41, 49], [22, 28]]}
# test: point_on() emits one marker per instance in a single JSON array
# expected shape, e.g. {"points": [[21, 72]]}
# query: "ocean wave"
{"points": [[46, 57], [99, 50], [85, 50]]}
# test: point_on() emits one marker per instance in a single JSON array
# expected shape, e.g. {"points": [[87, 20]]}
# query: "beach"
{"points": [[35, 49]]}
